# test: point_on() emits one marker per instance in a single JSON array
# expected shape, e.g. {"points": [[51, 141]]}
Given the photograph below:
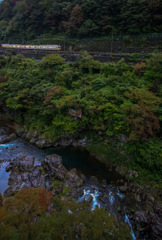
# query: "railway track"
{"points": [[72, 52], [72, 55]]}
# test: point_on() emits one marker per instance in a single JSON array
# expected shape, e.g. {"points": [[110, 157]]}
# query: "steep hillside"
{"points": [[26, 19]]}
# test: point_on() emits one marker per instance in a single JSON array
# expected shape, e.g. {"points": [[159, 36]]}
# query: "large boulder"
{"points": [[20, 132], [26, 163], [131, 174], [73, 179], [123, 188], [23, 162], [40, 141], [36, 179], [142, 217], [52, 164], [88, 198], [80, 142]]}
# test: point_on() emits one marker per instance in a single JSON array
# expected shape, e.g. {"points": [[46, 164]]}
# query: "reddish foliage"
{"points": [[53, 92], [26, 205], [48, 18], [140, 67], [77, 16], [140, 114], [39, 198], [28, 11]]}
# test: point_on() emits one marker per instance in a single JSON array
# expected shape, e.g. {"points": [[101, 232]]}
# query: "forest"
{"points": [[27, 19]]}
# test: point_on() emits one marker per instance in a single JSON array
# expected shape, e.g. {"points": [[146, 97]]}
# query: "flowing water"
{"points": [[71, 158]]}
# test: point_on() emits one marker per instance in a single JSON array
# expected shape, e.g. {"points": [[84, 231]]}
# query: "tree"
{"points": [[140, 109], [53, 60]]}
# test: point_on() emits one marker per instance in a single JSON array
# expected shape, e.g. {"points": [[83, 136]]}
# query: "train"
{"points": [[34, 47]]}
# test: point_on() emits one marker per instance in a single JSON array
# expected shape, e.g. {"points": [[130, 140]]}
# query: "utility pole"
{"points": [[64, 43], [112, 38]]}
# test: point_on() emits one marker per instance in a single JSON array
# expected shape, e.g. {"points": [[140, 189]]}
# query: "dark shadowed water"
{"points": [[71, 158], [81, 160]]}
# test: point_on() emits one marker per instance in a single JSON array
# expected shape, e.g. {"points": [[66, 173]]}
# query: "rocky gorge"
{"points": [[23, 165]]}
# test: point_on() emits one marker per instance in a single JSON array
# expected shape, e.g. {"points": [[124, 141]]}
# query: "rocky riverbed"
{"points": [[23, 165]]}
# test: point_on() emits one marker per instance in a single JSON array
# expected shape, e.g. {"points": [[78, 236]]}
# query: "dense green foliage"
{"points": [[110, 103], [25, 19], [24, 217]]}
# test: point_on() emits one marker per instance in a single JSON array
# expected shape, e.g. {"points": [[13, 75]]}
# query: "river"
{"points": [[95, 174]]}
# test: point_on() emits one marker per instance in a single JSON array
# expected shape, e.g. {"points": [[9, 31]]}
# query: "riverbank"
{"points": [[115, 159], [145, 196]]}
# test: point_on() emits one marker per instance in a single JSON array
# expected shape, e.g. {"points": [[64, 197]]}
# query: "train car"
{"points": [[34, 47]]}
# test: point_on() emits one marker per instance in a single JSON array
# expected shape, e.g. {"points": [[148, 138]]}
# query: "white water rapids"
{"points": [[95, 203]]}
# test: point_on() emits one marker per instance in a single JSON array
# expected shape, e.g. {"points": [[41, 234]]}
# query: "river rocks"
{"points": [[138, 198], [142, 218], [51, 175], [149, 223], [29, 135], [19, 180], [121, 170], [9, 168], [35, 178], [61, 173], [20, 132], [156, 225], [80, 142], [34, 137], [54, 160], [131, 174], [73, 180], [40, 141], [26, 163], [23, 163], [63, 142], [123, 188], [8, 192], [52, 164], [9, 138], [88, 198]]}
